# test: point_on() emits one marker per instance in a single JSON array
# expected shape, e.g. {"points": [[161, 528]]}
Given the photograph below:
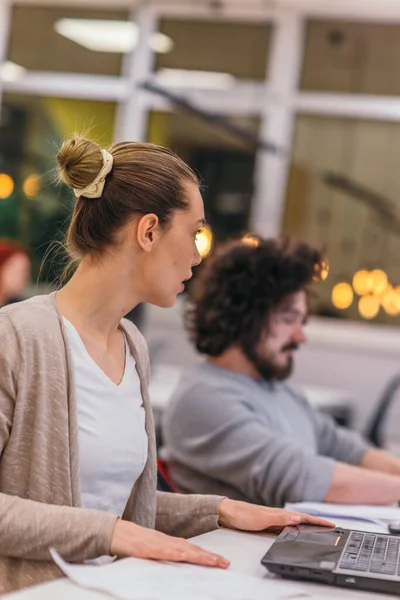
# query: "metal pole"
{"points": [[5, 27], [271, 171], [132, 114]]}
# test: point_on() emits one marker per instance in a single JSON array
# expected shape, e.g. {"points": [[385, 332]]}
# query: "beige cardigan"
{"points": [[39, 468]]}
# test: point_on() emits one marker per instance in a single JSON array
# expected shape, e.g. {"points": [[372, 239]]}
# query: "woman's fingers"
{"points": [[196, 555], [132, 540], [250, 517], [278, 519], [294, 518], [129, 539], [281, 519], [183, 551], [312, 520]]}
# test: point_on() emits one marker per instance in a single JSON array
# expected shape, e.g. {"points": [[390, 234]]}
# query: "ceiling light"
{"points": [[102, 35], [161, 43], [99, 35], [186, 78], [10, 71]]}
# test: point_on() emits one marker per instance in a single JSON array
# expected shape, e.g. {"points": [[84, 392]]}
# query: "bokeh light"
{"points": [[250, 240], [31, 186], [6, 186], [363, 282], [369, 306], [204, 241], [324, 270], [342, 295], [390, 301], [379, 281]]}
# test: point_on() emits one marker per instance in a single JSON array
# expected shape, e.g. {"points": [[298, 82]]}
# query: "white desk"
{"points": [[245, 551]]}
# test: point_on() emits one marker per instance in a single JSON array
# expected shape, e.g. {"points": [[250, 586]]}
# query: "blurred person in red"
{"points": [[15, 270]]}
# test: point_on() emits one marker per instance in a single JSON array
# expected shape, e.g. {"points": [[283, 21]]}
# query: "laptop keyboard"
{"points": [[372, 553]]}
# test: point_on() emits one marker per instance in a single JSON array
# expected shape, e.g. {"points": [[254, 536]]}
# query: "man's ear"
{"points": [[147, 231]]}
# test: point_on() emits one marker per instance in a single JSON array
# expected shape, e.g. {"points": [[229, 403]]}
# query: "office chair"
{"points": [[374, 431], [164, 481]]}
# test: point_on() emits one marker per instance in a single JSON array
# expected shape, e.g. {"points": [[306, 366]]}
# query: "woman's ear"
{"points": [[147, 231]]}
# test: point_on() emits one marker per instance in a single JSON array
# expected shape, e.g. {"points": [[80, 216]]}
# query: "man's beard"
{"points": [[268, 369]]}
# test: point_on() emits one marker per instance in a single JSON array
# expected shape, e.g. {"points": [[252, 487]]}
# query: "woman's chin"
{"points": [[164, 301]]}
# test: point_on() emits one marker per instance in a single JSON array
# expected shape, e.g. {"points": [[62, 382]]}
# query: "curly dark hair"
{"points": [[236, 288]]}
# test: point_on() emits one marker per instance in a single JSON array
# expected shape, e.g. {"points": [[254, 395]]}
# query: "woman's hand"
{"points": [[129, 539], [251, 517]]}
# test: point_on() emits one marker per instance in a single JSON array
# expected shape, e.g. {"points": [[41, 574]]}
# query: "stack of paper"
{"points": [[136, 579]]}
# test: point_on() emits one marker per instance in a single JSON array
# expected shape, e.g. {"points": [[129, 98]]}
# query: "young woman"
{"points": [[77, 447]]}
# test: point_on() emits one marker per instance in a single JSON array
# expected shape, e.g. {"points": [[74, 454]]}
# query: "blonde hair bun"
{"points": [[79, 162]]}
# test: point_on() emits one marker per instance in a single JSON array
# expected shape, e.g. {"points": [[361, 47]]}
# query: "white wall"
{"points": [[358, 357]]}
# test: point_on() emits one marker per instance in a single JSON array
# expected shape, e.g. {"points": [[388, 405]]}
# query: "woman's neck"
{"points": [[97, 297]]}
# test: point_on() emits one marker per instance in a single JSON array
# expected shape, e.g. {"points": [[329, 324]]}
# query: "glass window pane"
{"points": [[223, 161], [35, 44], [343, 195], [31, 131], [359, 58], [239, 49]]}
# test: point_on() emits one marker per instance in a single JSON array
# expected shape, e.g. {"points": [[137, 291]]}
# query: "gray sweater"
{"points": [[227, 434]]}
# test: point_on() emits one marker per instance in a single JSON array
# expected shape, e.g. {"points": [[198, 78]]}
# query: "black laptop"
{"points": [[341, 557]]}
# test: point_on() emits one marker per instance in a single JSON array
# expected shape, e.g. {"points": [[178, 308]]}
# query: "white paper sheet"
{"points": [[136, 579], [365, 518]]}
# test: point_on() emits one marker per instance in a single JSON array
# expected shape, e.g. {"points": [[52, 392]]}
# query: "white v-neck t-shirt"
{"points": [[111, 422]]}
